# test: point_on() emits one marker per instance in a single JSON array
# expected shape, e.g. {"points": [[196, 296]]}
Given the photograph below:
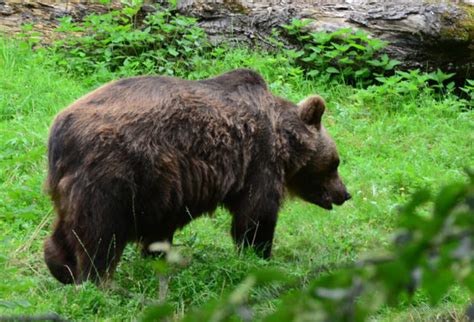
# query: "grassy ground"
{"points": [[390, 146]]}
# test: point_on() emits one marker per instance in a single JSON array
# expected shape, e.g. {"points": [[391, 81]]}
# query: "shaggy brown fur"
{"points": [[139, 158]]}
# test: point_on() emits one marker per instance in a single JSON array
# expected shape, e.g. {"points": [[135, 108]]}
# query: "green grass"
{"points": [[390, 146]]}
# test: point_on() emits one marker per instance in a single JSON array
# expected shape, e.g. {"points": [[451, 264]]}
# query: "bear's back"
{"points": [[219, 124], [138, 93], [182, 112]]}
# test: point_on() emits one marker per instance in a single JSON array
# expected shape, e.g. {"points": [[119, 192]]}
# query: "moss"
{"points": [[461, 29], [236, 6]]}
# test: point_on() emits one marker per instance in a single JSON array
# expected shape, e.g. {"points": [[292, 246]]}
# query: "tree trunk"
{"points": [[421, 34]]}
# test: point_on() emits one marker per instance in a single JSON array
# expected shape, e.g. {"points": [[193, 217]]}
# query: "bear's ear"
{"points": [[311, 110]]}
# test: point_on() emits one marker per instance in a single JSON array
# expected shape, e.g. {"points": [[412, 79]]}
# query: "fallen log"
{"points": [[421, 34], [425, 34]]}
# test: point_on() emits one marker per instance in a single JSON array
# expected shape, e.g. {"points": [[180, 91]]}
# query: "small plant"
{"points": [[468, 89], [409, 83], [29, 36], [439, 78], [119, 42], [345, 53], [404, 89]]}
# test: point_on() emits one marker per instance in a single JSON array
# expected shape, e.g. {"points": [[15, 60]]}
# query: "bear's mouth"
{"points": [[324, 201], [319, 198], [326, 204]]}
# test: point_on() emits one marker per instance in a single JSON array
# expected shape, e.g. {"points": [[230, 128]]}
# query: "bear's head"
{"points": [[318, 181]]}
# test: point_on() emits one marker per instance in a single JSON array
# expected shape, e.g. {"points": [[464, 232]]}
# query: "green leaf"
{"points": [[331, 54], [346, 60], [362, 72], [418, 198], [157, 313], [437, 284], [448, 198], [395, 277], [469, 281], [320, 37], [161, 267], [267, 276], [375, 62], [173, 52], [357, 46], [27, 27], [341, 48], [391, 64], [332, 70]]}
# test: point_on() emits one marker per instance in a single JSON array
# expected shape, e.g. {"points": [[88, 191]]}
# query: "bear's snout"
{"points": [[341, 197], [347, 196]]}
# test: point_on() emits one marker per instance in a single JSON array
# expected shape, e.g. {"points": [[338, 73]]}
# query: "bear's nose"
{"points": [[348, 196]]}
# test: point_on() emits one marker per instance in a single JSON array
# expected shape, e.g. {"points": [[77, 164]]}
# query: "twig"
{"points": [[26, 246]]}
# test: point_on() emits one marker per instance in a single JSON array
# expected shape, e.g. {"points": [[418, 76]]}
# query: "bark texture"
{"points": [[43, 15], [424, 34]]}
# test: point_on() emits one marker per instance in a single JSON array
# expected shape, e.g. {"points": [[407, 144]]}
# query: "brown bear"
{"points": [[139, 158]]}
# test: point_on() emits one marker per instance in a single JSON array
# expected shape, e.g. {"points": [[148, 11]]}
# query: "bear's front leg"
{"points": [[255, 233], [254, 220]]}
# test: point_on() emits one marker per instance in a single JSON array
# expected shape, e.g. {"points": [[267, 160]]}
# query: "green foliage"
{"points": [[117, 41], [29, 35], [413, 84], [439, 78], [468, 89], [343, 54]]}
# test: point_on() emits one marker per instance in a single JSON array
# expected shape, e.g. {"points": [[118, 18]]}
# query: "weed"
{"points": [[468, 89], [405, 89], [343, 54], [118, 42]]}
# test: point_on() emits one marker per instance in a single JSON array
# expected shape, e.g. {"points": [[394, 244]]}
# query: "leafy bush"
{"points": [[404, 89], [468, 89], [431, 252], [347, 54], [119, 42]]}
